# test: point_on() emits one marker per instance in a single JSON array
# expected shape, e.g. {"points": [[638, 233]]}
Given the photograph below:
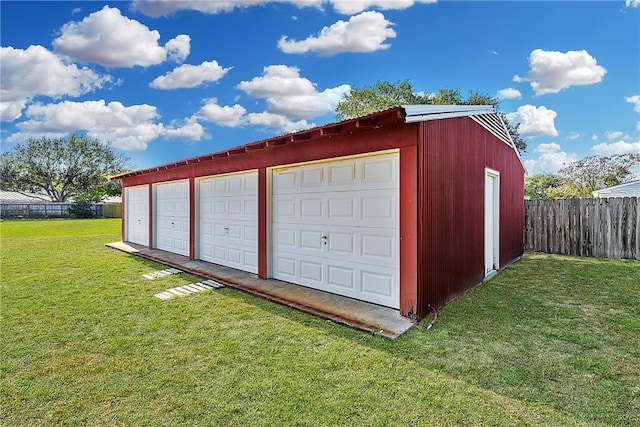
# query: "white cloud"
{"points": [[222, 115], [307, 106], [550, 160], [632, 3], [127, 128], [365, 32], [551, 147], [290, 95], [189, 76], [553, 71], [574, 135], [350, 7], [157, 8], [178, 48], [278, 80], [635, 100], [112, 40], [534, 121], [190, 130], [611, 135], [36, 71], [509, 93], [277, 121], [620, 147]]}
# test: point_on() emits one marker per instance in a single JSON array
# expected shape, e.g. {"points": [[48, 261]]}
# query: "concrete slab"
{"points": [[360, 315]]}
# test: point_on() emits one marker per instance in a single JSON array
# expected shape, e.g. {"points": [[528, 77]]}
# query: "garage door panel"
{"points": [[357, 244], [367, 208], [232, 220], [137, 215], [311, 272], [371, 283], [172, 217], [377, 284], [335, 227], [340, 278]]}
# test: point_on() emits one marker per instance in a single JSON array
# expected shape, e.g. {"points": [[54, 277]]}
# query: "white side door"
{"points": [[335, 227], [491, 221], [228, 220], [136, 200], [172, 217]]}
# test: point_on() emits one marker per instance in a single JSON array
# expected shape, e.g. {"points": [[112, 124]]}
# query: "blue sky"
{"points": [[162, 81]]}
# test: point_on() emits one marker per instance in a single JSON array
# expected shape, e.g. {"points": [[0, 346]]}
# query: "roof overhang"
{"points": [[422, 113], [485, 115]]}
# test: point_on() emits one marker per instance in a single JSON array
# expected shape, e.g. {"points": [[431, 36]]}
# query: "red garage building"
{"points": [[405, 208]]}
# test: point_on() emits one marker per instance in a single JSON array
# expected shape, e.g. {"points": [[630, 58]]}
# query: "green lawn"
{"points": [[549, 341]]}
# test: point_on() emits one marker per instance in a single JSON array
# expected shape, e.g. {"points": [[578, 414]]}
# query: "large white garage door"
{"points": [[172, 217], [336, 227], [229, 220], [136, 200]]}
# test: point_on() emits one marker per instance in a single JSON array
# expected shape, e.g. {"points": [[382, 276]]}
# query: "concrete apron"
{"points": [[356, 314]]}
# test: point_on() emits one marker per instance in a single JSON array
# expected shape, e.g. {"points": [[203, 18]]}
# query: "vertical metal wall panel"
{"points": [[452, 156]]}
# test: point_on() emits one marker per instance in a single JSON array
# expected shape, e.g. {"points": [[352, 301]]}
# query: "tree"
{"points": [[381, 96], [541, 186], [384, 95], [582, 177], [62, 168]]}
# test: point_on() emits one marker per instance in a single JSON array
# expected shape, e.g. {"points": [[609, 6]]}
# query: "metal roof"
{"points": [[485, 115], [421, 113], [21, 197], [628, 189]]}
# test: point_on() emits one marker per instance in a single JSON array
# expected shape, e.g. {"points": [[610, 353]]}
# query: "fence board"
{"points": [[603, 228]]}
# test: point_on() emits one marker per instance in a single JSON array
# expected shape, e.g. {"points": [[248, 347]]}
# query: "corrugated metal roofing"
{"points": [[422, 113]]}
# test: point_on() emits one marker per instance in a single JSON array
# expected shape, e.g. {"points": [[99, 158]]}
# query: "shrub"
{"points": [[81, 208]]}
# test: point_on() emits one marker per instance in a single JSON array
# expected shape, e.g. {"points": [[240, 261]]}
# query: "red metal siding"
{"points": [[442, 196], [452, 156], [408, 231]]}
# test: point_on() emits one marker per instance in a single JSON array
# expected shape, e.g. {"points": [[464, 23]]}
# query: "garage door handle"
{"points": [[324, 240]]}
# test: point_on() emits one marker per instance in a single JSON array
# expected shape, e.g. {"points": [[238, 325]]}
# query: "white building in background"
{"points": [[628, 189]]}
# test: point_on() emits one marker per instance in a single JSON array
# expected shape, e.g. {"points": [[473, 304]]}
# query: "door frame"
{"points": [[491, 221]]}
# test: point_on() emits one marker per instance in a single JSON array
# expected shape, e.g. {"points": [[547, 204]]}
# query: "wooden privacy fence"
{"points": [[603, 228]]}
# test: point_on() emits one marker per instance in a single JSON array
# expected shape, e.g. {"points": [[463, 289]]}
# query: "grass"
{"points": [[549, 341]]}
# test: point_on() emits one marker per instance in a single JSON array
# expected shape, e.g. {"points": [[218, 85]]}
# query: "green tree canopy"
{"points": [[582, 177], [541, 186], [62, 168], [384, 95]]}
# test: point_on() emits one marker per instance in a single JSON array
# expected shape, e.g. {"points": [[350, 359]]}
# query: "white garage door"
{"points": [[172, 217], [136, 200], [336, 227], [229, 220]]}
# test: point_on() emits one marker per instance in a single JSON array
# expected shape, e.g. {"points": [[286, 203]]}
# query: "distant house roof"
{"points": [[22, 197], [628, 189]]}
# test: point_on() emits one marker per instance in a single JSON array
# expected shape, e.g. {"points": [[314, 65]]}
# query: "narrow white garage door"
{"points": [[172, 217], [136, 200], [228, 229], [336, 227]]}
